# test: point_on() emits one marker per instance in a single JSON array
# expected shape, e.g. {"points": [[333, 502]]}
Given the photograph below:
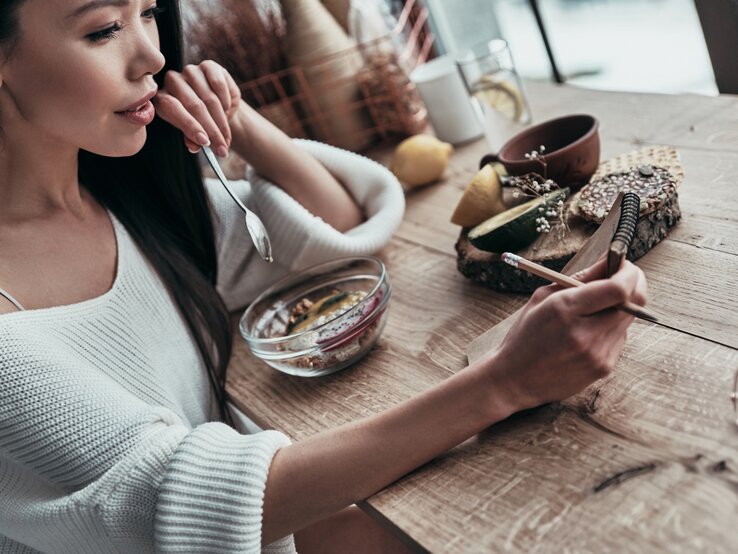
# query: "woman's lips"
{"points": [[143, 115]]}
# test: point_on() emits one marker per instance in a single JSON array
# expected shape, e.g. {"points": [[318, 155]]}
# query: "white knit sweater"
{"points": [[108, 433]]}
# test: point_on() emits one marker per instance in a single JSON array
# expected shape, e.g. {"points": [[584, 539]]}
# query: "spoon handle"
{"points": [[221, 176], [256, 228]]}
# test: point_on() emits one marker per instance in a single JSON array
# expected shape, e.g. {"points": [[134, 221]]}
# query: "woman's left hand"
{"points": [[200, 101]]}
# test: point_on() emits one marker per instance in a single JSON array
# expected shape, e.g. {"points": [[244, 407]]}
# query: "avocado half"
{"points": [[515, 228]]}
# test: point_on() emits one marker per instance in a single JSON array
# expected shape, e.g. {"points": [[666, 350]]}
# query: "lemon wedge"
{"points": [[481, 199], [420, 160]]}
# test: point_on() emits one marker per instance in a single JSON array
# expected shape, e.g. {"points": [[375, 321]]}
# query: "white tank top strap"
{"points": [[12, 300]]}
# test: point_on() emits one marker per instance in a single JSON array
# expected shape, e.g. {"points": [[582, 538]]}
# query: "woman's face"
{"points": [[82, 72]]}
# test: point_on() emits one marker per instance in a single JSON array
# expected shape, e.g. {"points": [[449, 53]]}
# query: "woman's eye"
{"points": [[112, 31], [152, 12], [107, 33]]}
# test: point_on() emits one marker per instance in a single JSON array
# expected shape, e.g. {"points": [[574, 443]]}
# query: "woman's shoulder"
{"points": [[6, 306]]}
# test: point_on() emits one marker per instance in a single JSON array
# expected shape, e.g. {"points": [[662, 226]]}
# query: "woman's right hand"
{"points": [[565, 339], [200, 100]]}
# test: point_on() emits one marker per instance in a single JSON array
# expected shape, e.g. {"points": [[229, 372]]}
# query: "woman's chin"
{"points": [[126, 148]]}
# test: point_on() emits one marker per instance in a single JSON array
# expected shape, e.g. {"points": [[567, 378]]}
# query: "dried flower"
{"points": [[538, 156], [248, 43], [533, 185]]}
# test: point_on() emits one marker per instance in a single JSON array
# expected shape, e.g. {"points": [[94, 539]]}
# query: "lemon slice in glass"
{"points": [[500, 95]]}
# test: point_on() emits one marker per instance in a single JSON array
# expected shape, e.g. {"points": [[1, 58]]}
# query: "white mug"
{"points": [[449, 107]]}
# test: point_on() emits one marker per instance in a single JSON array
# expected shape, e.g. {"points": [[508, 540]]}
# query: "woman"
{"points": [[118, 268]]}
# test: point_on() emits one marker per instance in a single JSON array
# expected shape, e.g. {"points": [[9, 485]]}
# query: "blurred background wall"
{"points": [[631, 45]]}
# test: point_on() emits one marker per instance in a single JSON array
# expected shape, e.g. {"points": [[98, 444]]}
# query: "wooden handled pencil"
{"points": [[569, 282]]}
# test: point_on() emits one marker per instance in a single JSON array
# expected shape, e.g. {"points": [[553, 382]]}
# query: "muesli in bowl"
{"points": [[320, 320]]}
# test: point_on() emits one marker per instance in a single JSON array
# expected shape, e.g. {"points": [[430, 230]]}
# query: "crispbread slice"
{"points": [[662, 156], [592, 202]]}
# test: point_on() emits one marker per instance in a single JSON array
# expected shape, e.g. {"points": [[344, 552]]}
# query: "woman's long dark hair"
{"points": [[158, 195]]}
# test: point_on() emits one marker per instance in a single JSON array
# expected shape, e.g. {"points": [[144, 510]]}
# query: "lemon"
{"points": [[481, 200], [502, 96], [500, 169], [420, 159]]}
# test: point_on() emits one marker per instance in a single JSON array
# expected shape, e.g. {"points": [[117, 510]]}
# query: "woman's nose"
{"points": [[148, 60]]}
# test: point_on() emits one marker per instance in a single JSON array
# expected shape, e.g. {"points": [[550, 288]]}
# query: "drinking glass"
{"points": [[496, 89]]}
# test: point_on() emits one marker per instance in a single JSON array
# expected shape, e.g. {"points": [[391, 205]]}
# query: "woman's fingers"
{"points": [[541, 293], [235, 94], [602, 294], [215, 95], [171, 110], [200, 101], [222, 84], [191, 146], [640, 295], [597, 270], [200, 108]]}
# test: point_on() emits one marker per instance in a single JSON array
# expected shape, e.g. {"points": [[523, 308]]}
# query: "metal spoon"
{"points": [[256, 228]]}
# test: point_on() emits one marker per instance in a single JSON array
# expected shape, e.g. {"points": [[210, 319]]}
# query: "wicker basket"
{"points": [[388, 101]]}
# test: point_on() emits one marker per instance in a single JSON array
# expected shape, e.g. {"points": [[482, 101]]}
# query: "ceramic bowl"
{"points": [[571, 155]]}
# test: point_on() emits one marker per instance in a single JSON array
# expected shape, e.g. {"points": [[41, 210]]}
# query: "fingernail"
{"points": [[195, 151], [222, 151], [202, 139]]}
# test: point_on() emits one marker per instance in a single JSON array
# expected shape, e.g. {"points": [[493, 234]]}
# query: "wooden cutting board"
{"points": [[557, 247]]}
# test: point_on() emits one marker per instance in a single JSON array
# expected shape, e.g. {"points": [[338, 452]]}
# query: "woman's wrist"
{"points": [[273, 155], [503, 398], [244, 129]]}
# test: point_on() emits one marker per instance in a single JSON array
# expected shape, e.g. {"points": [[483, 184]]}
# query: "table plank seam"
{"points": [[711, 249], [423, 246], [639, 142]]}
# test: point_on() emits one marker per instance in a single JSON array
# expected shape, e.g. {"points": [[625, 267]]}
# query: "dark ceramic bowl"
{"points": [[571, 156]]}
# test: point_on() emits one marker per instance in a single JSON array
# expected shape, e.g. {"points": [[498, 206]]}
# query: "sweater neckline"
{"points": [[119, 234]]}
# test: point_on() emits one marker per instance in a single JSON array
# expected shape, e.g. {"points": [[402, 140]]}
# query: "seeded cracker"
{"points": [[664, 157], [653, 184]]}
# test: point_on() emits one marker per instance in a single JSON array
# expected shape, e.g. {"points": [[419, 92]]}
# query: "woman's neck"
{"points": [[38, 178]]}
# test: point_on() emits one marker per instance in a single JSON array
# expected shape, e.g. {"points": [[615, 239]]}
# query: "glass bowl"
{"points": [[347, 301]]}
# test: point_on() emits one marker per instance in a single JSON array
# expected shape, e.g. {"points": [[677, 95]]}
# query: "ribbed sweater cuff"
{"points": [[301, 239], [212, 495]]}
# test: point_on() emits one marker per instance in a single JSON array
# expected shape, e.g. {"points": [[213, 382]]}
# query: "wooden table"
{"points": [[645, 461]]}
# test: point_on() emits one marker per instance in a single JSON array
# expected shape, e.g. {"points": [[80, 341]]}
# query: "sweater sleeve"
{"points": [[299, 238], [87, 466]]}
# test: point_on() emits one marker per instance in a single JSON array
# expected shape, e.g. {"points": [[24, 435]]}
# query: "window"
{"points": [[633, 45]]}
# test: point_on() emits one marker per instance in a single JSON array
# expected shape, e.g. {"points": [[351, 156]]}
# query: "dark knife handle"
{"points": [[630, 209]]}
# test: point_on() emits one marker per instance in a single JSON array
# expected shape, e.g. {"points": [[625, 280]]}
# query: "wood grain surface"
{"points": [[646, 461]]}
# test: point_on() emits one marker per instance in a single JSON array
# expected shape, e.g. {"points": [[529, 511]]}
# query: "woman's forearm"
{"points": [[316, 477], [273, 155]]}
